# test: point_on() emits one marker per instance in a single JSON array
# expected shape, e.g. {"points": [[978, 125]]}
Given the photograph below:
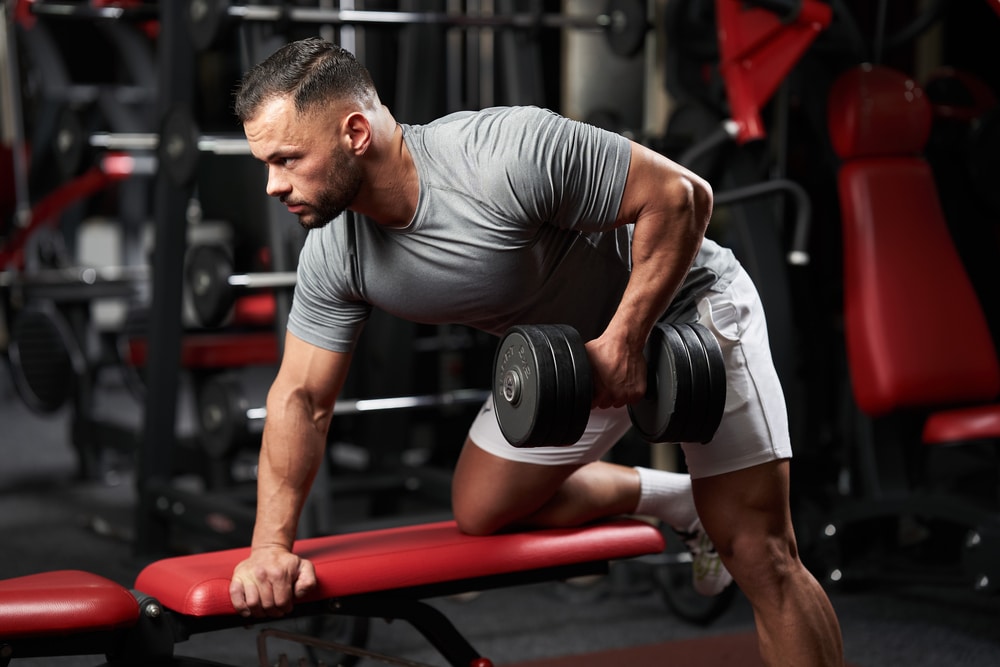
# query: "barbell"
{"points": [[543, 386], [230, 415], [624, 22], [176, 146], [213, 286]]}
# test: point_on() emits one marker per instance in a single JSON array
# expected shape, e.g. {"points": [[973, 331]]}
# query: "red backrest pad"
{"points": [[915, 332]]}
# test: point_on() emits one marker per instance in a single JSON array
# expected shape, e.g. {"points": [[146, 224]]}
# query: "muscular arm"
{"points": [[670, 208], [299, 409]]}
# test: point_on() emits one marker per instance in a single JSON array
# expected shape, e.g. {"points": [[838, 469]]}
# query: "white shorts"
{"points": [[754, 427]]}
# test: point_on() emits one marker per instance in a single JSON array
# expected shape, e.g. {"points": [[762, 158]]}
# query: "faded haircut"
{"points": [[310, 71]]}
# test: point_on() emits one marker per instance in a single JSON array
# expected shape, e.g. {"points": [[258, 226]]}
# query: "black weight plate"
{"points": [[219, 414], [45, 358], [651, 414], [568, 421], [627, 28], [583, 392], [524, 387], [668, 382], [204, 21], [675, 345], [716, 403], [177, 151], [696, 411], [207, 275], [69, 143]]}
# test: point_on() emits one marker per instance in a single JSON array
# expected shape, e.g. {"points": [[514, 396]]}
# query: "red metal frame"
{"points": [[112, 169], [757, 49]]}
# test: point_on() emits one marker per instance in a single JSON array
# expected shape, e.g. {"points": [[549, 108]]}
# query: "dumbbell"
{"points": [[543, 386]]}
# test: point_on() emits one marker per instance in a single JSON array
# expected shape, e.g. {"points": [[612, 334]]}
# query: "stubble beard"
{"points": [[344, 181]]}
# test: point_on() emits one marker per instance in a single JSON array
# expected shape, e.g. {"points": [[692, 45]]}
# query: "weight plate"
{"points": [[207, 276], [627, 26], [568, 420], [696, 411], [177, 150], [219, 414], [524, 387], [583, 391], [204, 21], [716, 401], [45, 358], [674, 344], [69, 144], [667, 383]]}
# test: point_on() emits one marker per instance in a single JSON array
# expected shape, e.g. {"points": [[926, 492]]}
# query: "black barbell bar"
{"points": [[86, 11], [177, 145], [228, 417], [624, 22]]}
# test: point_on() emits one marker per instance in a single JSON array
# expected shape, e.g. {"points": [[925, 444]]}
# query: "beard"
{"points": [[344, 180]]}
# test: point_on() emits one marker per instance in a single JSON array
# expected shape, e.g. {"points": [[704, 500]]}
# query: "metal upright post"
{"points": [[155, 456]]}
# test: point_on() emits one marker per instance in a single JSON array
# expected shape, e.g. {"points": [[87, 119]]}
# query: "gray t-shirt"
{"points": [[514, 225]]}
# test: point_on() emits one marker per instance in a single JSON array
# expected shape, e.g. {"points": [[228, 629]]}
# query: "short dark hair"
{"points": [[309, 71]]}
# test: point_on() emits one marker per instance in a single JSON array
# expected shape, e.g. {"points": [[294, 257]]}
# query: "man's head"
{"points": [[309, 72], [306, 112]]}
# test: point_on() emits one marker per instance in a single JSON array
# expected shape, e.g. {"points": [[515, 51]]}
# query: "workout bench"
{"points": [[387, 573]]}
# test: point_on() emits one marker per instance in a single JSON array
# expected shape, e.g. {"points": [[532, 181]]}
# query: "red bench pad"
{"points": [[950, 426], [64, 602], [381, 560]]}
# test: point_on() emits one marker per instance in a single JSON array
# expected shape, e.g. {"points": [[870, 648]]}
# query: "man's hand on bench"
{"points": [[263, 584]]}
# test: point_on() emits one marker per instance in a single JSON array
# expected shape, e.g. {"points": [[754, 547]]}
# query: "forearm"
{"points": [[291, 451], [665, 241]]}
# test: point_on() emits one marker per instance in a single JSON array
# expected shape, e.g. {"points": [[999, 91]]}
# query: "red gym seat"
{"points": [[917, 341], [387, 573], [395, 559]]}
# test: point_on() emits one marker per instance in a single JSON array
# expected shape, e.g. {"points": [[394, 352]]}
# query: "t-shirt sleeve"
{"points": [[327, 309], [565, 172]]}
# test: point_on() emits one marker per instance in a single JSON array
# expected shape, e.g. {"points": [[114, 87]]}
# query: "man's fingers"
{"points": [[238, 597], [306, 579]]}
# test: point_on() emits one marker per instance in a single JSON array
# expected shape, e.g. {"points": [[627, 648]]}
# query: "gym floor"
{"points": [[51, 520]]}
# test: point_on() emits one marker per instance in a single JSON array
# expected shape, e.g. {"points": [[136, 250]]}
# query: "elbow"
{"points": [[693, 200], [702, 201]]}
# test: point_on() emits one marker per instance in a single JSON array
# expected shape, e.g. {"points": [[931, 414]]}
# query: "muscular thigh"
{"points": [[496, 484]]}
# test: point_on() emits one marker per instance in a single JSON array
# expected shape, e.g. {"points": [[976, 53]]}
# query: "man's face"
{"points": [[308, 169]]}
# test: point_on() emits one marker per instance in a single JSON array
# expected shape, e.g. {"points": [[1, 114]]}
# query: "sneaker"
{"points": [[709, 576]]}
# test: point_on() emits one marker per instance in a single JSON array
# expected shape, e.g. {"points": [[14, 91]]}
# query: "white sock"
{"points": [[667, 496]]}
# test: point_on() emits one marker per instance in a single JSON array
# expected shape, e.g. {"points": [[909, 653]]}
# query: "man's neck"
{"points": [[389, 196]]}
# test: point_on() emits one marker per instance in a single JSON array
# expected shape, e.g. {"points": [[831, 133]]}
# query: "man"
{"points": [[518, 216]]}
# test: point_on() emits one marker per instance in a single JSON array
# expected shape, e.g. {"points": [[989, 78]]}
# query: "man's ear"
{"points": [[357, 132]]}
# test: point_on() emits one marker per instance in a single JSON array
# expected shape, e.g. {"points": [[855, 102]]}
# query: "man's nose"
{"points": [[276, 185]]}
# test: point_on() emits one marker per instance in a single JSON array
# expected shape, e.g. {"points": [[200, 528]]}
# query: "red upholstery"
{"points": [[915, 332], [216, 350], [875, 111], [380, 560], [976, 423], [63, 602]]}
